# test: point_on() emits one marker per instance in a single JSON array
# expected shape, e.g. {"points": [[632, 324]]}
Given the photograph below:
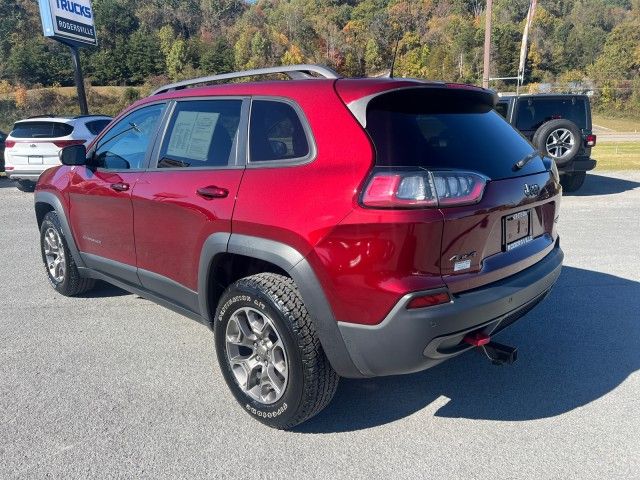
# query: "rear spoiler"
{"points": [[456, 94]]}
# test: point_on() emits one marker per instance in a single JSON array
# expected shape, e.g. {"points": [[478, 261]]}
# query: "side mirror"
{"points": [[73, 155]]}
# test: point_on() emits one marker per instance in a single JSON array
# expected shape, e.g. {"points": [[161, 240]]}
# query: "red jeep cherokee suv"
{"points": [[322, 226]]}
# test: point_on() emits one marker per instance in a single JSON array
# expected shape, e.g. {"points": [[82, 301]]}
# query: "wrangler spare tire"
{"points": [[560, 139]]}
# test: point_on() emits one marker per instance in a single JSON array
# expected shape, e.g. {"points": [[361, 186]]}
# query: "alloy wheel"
{"points": [[54, 254], [560, 142], [256, 355]]}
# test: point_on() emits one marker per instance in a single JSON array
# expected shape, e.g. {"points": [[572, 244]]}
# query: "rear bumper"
{"points": [[32, 175], [580, 164], [412, 340]]}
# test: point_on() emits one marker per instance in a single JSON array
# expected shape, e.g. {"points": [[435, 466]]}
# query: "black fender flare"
{"points": [[294, 263], [53, 200]]}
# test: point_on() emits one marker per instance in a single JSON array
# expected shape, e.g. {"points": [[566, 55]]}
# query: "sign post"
{"points": [[79, 79], [70, 22]]}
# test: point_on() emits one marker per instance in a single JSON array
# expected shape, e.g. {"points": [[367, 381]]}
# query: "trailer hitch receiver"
{"points": [[498, 353]]}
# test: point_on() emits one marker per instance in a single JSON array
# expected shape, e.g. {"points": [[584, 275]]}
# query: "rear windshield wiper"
{"points": [[521, 163]]}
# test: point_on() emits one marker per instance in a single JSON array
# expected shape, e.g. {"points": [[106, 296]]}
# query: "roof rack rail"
{"points": [[293, 71]]}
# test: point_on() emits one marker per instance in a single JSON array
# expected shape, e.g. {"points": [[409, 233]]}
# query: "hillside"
{"points": [[589, 45]]}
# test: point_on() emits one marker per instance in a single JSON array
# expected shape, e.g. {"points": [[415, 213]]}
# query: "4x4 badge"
{"points": [[531, 189]]}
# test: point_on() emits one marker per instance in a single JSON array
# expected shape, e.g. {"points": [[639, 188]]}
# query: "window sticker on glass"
{"points": [[192, 134]]}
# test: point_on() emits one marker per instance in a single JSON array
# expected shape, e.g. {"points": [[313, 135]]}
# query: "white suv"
{"points": [[33, 144]]}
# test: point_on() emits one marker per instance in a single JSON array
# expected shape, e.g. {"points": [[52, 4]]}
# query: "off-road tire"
{"points": [[25, 185], [312, 382], [540, 138], [72, 283], [571, 182]]}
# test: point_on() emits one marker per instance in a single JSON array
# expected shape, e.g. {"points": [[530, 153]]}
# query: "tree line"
{"points": [[586, 44]]}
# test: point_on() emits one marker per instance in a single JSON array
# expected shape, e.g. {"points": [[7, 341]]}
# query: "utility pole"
{"points": [[487, 45]]}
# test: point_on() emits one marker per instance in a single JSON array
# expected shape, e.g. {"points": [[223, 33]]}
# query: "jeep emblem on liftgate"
{"points": [[531, 189]]}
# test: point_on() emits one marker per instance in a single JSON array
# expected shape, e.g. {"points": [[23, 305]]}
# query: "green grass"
{"points": [[626, 124], [617, 156]]}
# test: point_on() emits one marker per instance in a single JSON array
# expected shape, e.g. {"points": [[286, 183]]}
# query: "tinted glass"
{"points": [[502, 108], [125, 145], [276, 132], [201, 134], [96, 126], [41, 130], [446, 130], [534, 111]]}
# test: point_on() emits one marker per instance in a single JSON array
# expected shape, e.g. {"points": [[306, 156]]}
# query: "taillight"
{"points": [[67, 143], [590, 141], [423, 188], [9, 143]]}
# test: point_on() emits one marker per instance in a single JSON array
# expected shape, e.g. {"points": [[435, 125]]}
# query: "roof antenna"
{"points": [[395, 54]]}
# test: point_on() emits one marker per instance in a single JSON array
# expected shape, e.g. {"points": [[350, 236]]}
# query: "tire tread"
{"points": [[320, 380], [74, 284]]}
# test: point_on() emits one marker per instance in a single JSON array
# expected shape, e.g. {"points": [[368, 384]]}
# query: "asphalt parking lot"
{"points": [[111, 385]]}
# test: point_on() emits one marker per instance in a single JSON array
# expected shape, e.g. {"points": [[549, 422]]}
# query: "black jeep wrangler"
{"points": [[559, 125]]}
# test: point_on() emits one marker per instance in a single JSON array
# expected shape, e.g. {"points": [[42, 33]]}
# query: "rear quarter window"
{"points": [[41, 130], [276, 132], [533, 112]]}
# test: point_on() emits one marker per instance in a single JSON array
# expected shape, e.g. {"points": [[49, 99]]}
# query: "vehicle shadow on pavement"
{"points": [[579, 344], [6, 183], [104, 290], [601, 185]]}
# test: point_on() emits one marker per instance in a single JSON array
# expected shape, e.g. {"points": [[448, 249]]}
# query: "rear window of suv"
{"points": [[442, 129], [41, 130], [534, 111]]}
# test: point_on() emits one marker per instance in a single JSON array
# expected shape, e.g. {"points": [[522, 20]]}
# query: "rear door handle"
{"points": [[120, 187], [211, 192]]}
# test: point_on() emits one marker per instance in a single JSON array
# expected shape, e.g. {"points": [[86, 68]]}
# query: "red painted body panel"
{"points": [[374, 257], [100, 217], [352, 89], [56, 180], [172, 222]]}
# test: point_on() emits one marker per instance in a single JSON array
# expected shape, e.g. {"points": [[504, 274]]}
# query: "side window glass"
{"points": [[501, 108], [276, 132], [125, 145], [201, 133]]}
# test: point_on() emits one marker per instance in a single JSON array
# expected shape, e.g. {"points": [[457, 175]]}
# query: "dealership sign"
{"points": [[70, 21]]}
